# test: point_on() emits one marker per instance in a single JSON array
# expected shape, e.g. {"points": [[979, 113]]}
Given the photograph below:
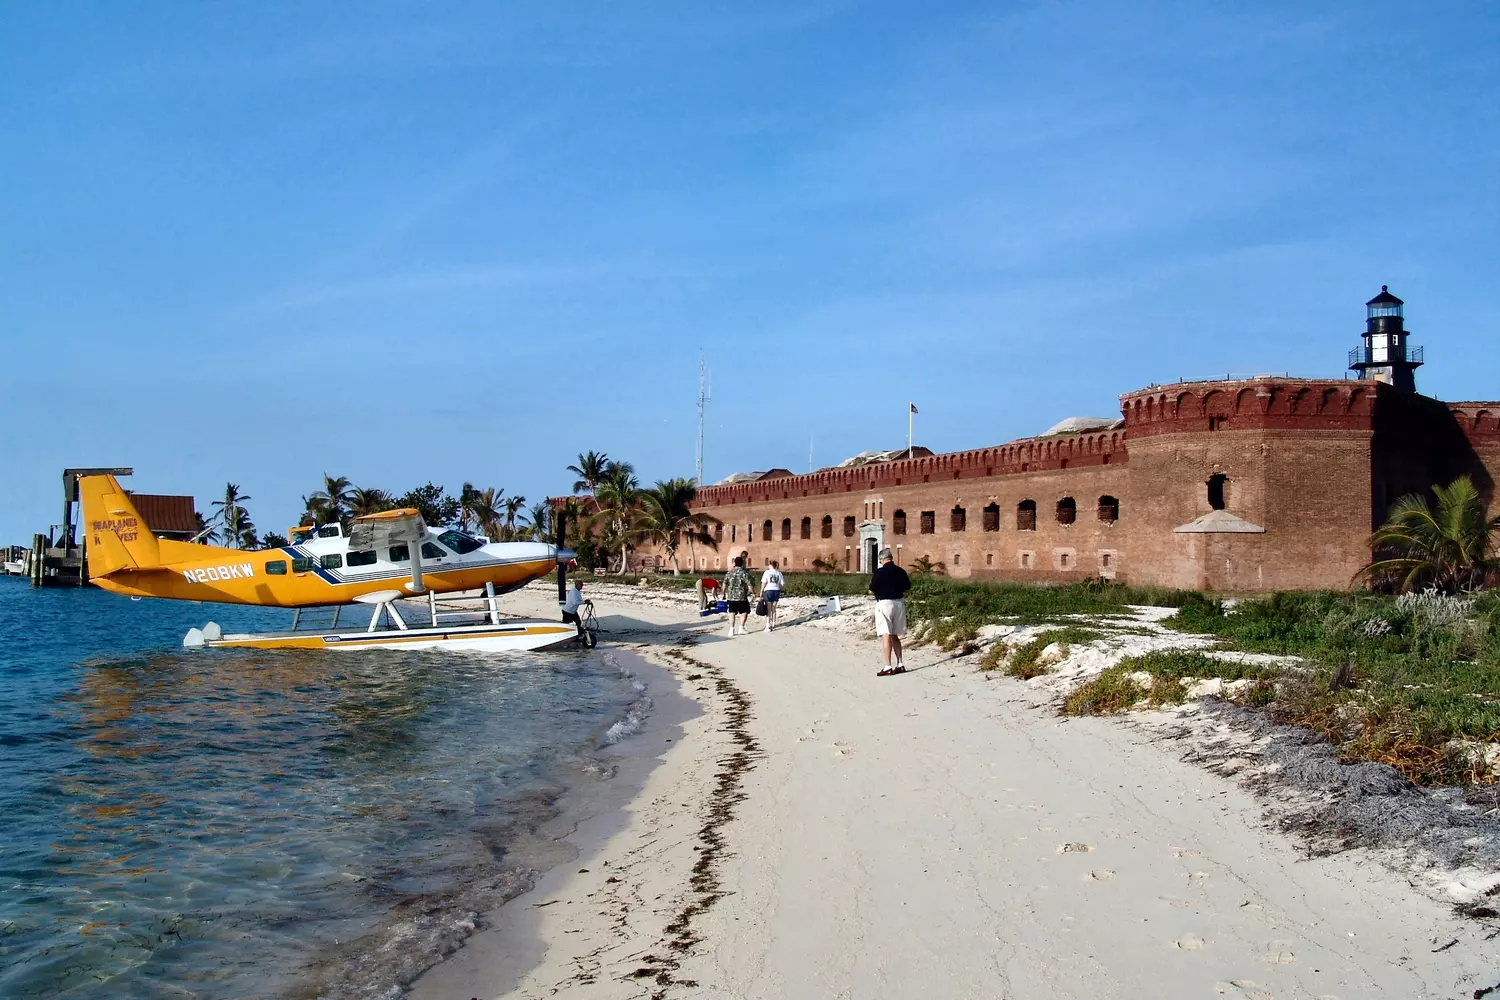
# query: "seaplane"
{"points": [[410, 575]]}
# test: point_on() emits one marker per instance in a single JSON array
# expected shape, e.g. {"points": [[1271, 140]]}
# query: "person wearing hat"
{"points": [[889, 583]]}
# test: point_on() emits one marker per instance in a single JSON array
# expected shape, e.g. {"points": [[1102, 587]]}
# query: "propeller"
{"points": [[560, 533]]}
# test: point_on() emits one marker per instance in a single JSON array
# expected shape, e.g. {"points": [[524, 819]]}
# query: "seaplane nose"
{"points": [[565, 556]]}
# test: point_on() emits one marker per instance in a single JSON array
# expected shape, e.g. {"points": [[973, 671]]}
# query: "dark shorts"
{"points": [[770, 596], [570, 617], [739, 607]]}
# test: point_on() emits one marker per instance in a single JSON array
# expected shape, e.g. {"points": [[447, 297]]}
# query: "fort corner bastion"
{"points": [[1234, 485]]}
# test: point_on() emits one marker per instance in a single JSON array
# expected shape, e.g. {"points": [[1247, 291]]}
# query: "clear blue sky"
{"points": [[402, 241]]}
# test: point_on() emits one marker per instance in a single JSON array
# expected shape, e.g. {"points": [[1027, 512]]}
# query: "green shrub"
{"points": [[1023, 662], [1112, 691]]}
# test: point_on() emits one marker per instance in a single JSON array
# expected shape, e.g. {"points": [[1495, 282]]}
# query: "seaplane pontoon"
{"points": [[425, 589]]}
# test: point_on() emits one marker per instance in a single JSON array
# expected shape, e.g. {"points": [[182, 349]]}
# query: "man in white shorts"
{"points": [[889, 584]]}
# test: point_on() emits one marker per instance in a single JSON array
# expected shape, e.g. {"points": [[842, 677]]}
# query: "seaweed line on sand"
{"points": [[705, 885]]}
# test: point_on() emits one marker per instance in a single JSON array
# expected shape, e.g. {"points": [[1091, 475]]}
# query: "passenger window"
{"points": [[400, 553], [302, 565], [328, 531], [460, 542], [362, 558], [430, 551], [332, 561], [276, 567]]}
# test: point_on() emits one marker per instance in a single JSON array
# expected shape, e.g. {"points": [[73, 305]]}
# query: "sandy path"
{"points": [[939, 835]]}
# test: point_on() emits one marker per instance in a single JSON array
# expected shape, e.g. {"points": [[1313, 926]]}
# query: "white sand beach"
{"points": [[939, 834]]}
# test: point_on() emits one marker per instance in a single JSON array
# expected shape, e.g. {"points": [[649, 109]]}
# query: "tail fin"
{"points": [[118, 537]]}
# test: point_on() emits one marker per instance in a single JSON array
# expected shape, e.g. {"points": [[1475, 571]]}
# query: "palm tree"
{"points": [[273, 540], [513, 506], [1448, 548], [239, 530], [538, 521], [827, 564], [617, 498], [926, 567], [206, 533], [231, 514], [364, 501], [666, 519], [331, 503], [591, 470], [480, 509]]}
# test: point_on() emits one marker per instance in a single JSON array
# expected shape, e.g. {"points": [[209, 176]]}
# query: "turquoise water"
{"points": [[226, 823]]}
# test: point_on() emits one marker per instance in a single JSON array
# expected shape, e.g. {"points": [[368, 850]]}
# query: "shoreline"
{"points": [[916, 835], [643, 846]]}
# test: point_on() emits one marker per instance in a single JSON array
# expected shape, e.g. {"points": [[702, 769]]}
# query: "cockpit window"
{"points": [[460, 542], [328, 531]]}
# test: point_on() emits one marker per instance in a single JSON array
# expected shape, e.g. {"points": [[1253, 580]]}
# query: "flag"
{"points": [[913, 407]]}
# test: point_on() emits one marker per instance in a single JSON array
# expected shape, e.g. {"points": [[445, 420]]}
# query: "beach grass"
{"points": [[934, 598], [1025, 662], [1413, 682], [1119, 688]]}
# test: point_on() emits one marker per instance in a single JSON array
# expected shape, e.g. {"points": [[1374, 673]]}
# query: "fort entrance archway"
{"points": [[871, 541]]}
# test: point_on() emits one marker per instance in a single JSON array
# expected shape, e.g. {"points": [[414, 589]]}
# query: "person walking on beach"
{"points": [[737, 587], [771, 583], [570, 607], [889, 584]]}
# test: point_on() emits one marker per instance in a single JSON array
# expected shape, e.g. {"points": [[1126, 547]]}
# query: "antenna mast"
{"points": [[703, 398]]}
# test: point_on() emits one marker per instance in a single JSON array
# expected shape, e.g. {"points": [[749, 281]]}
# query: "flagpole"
{"points": [[909, 412]]}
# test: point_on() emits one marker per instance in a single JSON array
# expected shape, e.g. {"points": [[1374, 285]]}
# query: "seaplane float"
{"points": [[426, 589]]}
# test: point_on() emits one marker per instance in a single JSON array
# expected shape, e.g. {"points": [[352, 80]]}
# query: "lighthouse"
{"points": [[1385, 356]]}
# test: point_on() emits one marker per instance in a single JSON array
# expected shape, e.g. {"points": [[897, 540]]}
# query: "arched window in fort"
{"points": [[929, 522], [807, 527], [1216, 484], [849, 526], [1026, 515], [765, 531], [898, 523], [1067, 510], [827, 526], [786, 529], [958, 519], [992, 517], [1109, 509]]}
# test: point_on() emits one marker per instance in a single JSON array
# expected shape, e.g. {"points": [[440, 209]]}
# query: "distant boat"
{"points": [[15, 560]]}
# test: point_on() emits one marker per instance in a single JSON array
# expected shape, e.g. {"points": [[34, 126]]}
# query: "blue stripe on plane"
{"points": [[297, 552]]}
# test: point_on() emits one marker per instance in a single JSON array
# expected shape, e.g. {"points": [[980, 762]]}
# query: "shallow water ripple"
{"points": [[228, 823]]}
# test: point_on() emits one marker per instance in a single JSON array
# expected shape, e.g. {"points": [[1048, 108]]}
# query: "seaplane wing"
{"points": [[394, 551]]}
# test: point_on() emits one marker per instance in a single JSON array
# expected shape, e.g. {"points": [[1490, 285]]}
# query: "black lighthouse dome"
{"points": [[1385, 355]]}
